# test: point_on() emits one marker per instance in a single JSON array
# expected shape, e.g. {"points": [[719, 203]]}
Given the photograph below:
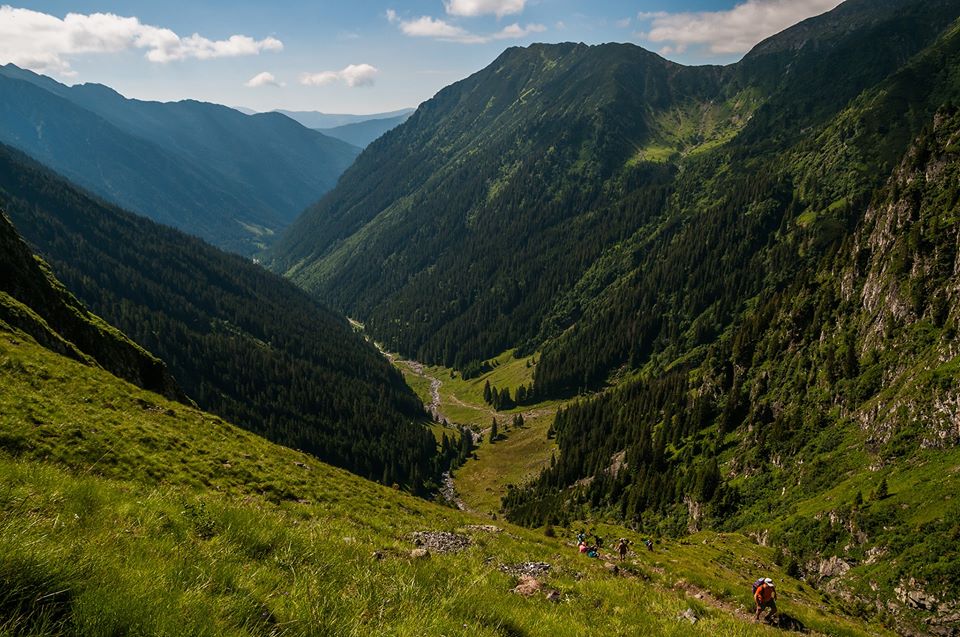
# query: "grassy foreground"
{"points": [[126, 514]]}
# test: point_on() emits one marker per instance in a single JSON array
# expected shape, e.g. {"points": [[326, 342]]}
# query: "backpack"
{"points": [[757, 585]]}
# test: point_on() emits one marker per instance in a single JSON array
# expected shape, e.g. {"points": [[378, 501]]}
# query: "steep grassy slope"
{"points": [[243, 343], [123, 513], [209, 170]]}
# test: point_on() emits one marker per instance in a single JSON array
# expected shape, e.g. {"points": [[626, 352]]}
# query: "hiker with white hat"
{"points": [[765, 596]]}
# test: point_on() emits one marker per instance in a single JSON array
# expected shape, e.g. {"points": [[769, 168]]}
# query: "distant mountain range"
{"points": [[232, 179], [318, 120], [362, 134], [358, 130]]}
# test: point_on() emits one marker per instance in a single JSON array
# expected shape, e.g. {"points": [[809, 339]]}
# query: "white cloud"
{"points": [[728, 32], [623, 24], [471, 8], [515, 31], [352, 75], [262, 79], [44, 43], [428, 27]]}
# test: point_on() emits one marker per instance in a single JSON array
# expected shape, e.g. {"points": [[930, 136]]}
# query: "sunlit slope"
{"points": [[124, 512]]}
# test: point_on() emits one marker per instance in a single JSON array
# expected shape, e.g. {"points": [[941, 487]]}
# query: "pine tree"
{"points": [[494, 431], [521, 395], [486, 392]]}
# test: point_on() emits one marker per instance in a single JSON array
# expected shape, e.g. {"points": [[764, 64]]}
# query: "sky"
{"points": [[359, 56]]}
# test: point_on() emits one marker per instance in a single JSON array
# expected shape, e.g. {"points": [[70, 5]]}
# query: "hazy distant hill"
{"points": [[230, 178], [318, 120], [361, 134]]}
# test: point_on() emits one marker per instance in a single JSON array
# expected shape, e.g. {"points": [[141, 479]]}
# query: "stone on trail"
{"points": [[689, 615], [553, 596], [527, 586], [419, 554], [441, 541], [532, 569]]}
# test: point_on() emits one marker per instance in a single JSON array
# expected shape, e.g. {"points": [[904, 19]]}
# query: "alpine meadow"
{"points": [[596, 340]]}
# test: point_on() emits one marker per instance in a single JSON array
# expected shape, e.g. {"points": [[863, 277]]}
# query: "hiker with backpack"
{"points": [[765, 597], [622, 547]]}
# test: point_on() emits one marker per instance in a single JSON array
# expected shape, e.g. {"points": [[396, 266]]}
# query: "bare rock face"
{"points": [[832, 567], [911, 594]]}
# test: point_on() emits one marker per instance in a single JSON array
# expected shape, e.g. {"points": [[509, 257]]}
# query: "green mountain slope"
{"points": [[124, 513], [209, 170], [761, 295], [769, 216], [825, 419], [502, 211], [241, 342], [36, 303], [496, 193]]}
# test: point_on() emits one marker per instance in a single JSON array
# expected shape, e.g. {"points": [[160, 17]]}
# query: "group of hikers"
{"points": [[593, 550], [764, 590]]}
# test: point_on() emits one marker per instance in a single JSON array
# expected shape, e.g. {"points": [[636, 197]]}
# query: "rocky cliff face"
{"points": [[908, 259]]}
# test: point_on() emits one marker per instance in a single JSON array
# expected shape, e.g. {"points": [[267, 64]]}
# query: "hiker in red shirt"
{"points": [[765, 597]]}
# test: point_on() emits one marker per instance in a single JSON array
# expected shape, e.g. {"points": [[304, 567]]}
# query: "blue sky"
{"points": [[362, 56]]}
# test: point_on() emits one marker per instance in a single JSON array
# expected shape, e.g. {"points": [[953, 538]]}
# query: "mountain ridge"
{"points": [[229, 178]]}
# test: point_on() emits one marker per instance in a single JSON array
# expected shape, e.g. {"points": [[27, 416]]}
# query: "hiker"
{"points": [[582, 546], [593, 551], [765, 596], [598, 541], [649, 544], [581, 537], [622, 548]]}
